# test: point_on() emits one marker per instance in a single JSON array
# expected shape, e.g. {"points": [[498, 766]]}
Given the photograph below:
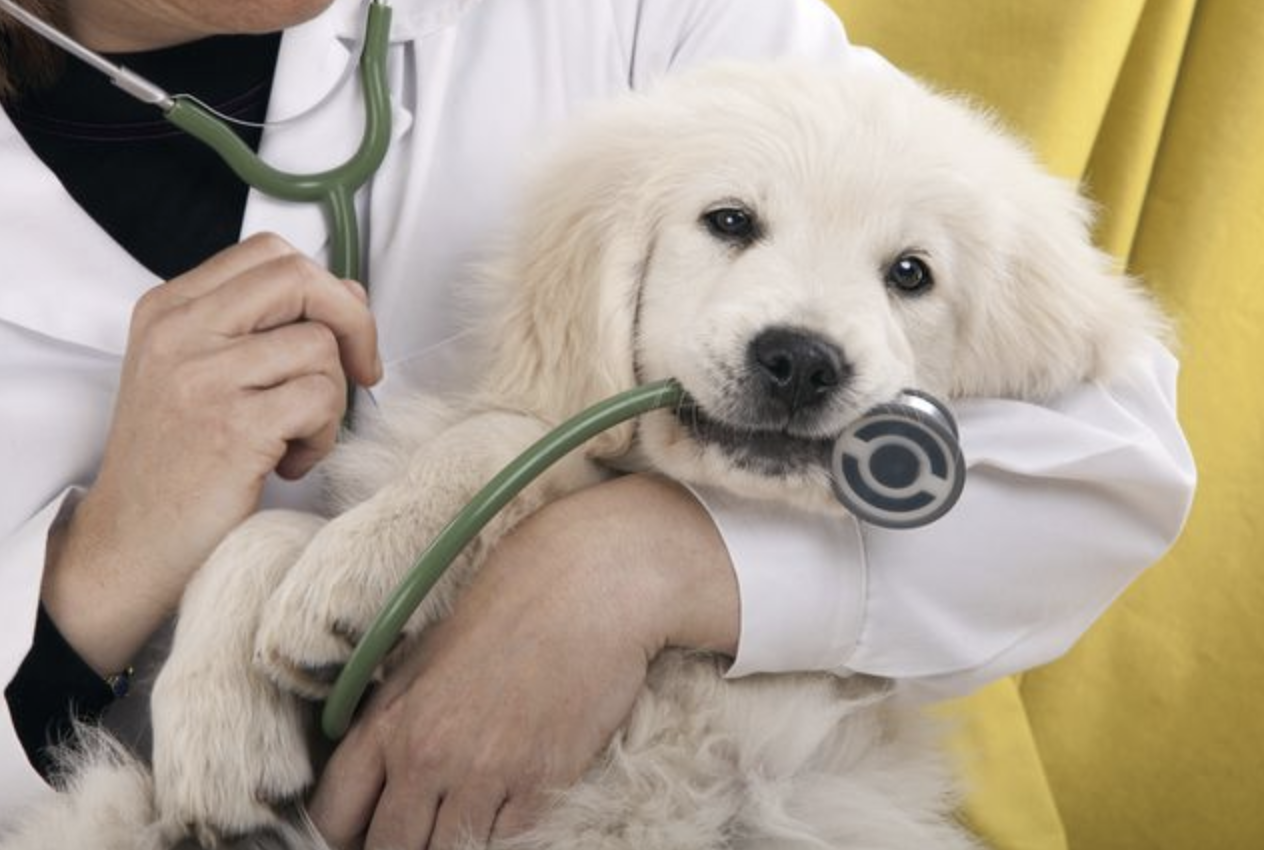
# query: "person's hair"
{"points": [[26, 60]]}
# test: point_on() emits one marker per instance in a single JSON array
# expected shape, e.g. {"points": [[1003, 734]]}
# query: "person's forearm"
{"points": [[650, 539], [104, 596], [539, 663]]}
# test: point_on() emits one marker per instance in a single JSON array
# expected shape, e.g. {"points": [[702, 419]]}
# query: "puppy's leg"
{"points": [[228, 743], [344, 577]]}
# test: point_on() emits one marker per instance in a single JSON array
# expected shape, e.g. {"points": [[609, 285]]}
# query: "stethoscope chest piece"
{"points": [[899, 465]]}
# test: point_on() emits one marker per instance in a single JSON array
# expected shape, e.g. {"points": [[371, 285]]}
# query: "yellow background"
{"points": [[1150, 733]]}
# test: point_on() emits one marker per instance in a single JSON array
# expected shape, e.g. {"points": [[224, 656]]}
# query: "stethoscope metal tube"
{"points": [[134, 84]]}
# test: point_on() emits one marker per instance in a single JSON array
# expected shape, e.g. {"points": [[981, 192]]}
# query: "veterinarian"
{"points": [[173, 353]]}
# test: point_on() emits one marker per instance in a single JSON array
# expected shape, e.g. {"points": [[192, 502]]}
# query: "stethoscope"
{"points": [[897, 466], [334, 189]]}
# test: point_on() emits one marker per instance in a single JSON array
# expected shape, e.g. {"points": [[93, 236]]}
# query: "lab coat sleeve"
{"points": [[1064, 505]]}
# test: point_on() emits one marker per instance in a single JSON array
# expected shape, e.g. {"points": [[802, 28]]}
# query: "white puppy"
{"points": [[793, 244]]}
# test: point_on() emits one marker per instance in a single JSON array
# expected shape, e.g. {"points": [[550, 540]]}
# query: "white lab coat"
{"points": [[1008, 580]]}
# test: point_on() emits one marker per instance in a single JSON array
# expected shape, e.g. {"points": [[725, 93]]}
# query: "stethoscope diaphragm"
{"points": [[899, 465]]}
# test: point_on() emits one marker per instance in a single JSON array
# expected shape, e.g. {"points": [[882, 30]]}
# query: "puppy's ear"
{"points": [[565, 334], [1058, 311]]}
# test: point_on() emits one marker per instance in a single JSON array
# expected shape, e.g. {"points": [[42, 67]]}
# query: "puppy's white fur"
{"points": [[615, 280]]}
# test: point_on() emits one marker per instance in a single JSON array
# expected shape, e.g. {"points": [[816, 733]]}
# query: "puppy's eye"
{"points": [[732, 224], [910, 275]]}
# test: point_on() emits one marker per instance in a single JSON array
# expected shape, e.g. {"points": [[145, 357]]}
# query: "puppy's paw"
{"points": [[230, 751], [316, 617]]}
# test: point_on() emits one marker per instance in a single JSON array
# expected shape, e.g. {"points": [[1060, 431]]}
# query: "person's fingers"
{"points": [[466, 820], [343, 803], [264, 360], [357, 289], [301, 456], [517, 814], [223, 266], [289, 289], [405, 818], [305, 413]]}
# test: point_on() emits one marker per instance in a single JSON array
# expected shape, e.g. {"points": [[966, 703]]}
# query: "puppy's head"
{"points": [[796, 244]]}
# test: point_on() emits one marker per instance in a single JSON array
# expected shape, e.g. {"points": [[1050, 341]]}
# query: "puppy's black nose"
{"points": [[798, 368]]}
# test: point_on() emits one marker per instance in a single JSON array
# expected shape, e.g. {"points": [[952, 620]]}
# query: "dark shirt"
{"points": [[169, 202]]}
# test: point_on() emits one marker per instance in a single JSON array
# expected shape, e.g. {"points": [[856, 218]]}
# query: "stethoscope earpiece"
{"points": [[899, 465]]}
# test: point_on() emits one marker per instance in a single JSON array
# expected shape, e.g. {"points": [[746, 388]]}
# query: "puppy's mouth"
{"points": [[767, 451]]}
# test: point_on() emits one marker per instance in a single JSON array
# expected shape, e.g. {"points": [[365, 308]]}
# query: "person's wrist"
{"points": [[701, 606], [103, 599]]}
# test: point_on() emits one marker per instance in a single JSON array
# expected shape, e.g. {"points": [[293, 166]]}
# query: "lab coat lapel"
{"points": [[69, 281]]}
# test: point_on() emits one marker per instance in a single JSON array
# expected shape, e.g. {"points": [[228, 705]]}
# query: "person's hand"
{"points": [[233, 370], [537, 667]]}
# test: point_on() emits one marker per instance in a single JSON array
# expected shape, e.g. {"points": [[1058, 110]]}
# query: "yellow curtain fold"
{"points": [[1150, 733]]}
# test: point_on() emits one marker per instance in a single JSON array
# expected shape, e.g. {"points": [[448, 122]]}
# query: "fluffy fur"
{"points": [[794, 244]]}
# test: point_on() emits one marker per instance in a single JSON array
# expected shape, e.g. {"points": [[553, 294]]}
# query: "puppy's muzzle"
{"points": [[797, 370]]}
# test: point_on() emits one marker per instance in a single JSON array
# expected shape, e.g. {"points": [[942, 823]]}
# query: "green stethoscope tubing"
{"points": [[335, 188], [383, 633]]}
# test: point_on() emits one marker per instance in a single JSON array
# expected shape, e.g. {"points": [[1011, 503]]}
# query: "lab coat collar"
{"points": [[312, 74], [342, 24], [410, 19]]}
